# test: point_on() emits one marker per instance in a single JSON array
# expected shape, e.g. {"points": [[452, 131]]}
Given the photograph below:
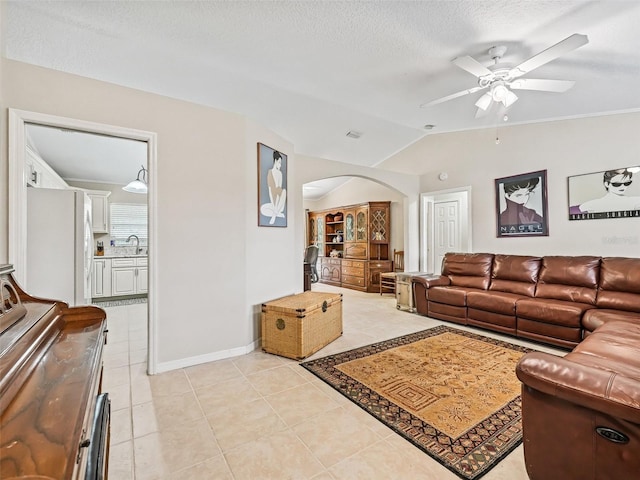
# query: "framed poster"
{"points": [[272, 187], [606, 194], [521, 205]]}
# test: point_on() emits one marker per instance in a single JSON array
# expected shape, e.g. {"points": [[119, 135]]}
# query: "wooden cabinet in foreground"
{"points": [[54, 416], [354, 242]]}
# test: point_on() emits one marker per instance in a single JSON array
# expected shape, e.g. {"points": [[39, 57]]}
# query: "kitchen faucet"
{"points": [[138, 249]]}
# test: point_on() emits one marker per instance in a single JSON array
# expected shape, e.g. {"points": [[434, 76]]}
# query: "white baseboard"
{"points": [[208, 357]]}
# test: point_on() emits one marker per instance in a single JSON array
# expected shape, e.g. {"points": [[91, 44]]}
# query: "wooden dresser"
{"points": [[54, 417]]}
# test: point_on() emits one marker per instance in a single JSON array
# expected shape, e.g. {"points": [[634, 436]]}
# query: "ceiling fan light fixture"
{"points": [[138, 185], [499, 92], [484, 101], [509, 99]]}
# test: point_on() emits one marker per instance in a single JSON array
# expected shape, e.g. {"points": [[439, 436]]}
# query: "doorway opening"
{"points": [[18, 175]]}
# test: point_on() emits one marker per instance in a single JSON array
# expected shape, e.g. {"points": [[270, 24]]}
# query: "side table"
{"points": [[404, 290]]}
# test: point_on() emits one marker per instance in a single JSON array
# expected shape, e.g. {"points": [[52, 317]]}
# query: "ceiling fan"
{"points": [[500, 80]]}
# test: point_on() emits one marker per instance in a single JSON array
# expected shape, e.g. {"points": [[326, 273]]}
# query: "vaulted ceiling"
{"points": [[314, 70]]}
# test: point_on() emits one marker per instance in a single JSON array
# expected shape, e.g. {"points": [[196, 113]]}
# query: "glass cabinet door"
{"points": [[379, 223], [320, 230], [349, 228], [313, 236], [361, 227]]}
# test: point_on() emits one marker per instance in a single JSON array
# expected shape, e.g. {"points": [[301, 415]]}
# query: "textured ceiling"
{"points": [[314, 70], [84, 156]]}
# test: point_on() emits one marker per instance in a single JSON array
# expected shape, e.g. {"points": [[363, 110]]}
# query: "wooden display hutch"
{"points": [[354, 243]]}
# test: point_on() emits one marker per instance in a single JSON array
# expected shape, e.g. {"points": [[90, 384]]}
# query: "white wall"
{"points": [[204, 173], [274, 256], [216, 266], [563, 148]]}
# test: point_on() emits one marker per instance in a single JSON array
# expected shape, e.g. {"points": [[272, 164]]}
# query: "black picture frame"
{"points": [[606, 194], [272, 187], [521, 205]]}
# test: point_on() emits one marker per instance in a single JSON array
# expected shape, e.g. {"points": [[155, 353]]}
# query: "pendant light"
{"points": [[139, 185]]}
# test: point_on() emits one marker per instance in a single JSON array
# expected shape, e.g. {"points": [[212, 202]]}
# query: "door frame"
{"points": [[18, 198], [427, 223]]}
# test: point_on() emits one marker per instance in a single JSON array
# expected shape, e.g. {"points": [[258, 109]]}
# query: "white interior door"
{"points": [[445, 226], [446, 230]]}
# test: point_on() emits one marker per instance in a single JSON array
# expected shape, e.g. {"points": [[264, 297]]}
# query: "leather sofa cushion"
{"points": [[598, 376], [557, 312], [573, 279], [518, 288], [597, 317], [614, 347], [471, 270], [498, 302], [455, 296], [519, 268], [619, 284], [515, 274]]}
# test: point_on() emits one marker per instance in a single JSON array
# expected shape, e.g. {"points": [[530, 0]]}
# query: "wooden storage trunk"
{"points": [[299, 325]]}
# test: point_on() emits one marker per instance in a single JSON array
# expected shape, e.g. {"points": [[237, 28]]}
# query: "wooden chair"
{"points": [[388, 279]]}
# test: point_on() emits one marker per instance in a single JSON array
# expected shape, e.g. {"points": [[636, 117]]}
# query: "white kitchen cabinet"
{"points": [[142, 285], [99, 210], [129, 276], [123, 281], [40, 174], [101, 278]]}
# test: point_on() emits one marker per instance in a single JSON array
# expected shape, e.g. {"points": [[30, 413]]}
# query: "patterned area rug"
{"points": [[452, 393]]}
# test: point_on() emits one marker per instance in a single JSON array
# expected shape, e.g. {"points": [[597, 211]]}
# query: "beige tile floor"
{"points": [[260, 416]]}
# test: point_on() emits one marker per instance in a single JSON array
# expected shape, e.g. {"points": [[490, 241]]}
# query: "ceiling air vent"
{"points": [[354, 134]]}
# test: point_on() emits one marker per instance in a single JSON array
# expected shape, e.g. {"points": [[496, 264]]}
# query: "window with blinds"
{"points": [[128, 219]]}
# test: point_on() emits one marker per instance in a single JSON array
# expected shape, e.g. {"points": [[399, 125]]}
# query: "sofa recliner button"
{"points": [[612, 435]]}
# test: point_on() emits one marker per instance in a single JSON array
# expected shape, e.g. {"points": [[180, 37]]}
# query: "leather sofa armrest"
{"points": [[428, 282], [589, 387], [420, 287]]}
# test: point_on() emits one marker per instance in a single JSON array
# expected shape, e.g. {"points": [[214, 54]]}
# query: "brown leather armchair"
{"points": [[581, 412]]}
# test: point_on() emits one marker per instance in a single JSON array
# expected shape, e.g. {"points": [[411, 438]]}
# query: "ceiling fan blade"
{"points": [[565, 46], [472, 66], [557, 86], [452, 96]]}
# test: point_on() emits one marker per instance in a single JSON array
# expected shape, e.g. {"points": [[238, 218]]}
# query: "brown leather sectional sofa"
{"points": [[555, 299], [581, 412]]}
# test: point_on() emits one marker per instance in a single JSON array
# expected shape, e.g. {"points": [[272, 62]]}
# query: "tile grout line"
{"points": [[204, 416]]}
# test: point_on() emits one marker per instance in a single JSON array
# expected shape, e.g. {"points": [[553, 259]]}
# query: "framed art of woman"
{"points": [[521, 204], [272, 187]]}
